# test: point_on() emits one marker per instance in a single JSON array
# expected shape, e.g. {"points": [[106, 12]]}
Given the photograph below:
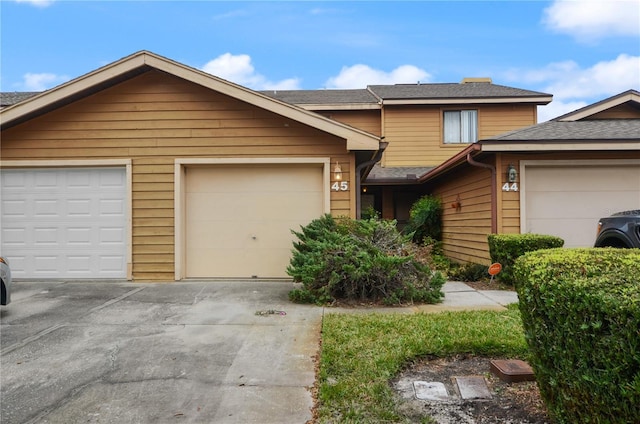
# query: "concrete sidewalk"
{"points": [[457, 297]]}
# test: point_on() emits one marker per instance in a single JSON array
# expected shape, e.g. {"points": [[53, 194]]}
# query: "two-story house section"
{"points": [[424, 126]]}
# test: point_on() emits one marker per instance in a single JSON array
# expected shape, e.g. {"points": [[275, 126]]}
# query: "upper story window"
{"points": [[460, 126]]}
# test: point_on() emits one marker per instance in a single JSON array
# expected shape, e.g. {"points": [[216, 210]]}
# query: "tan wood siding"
{"points": [[465, 230], [415, 135], [366, 120], [153, 119], [497, 119]]}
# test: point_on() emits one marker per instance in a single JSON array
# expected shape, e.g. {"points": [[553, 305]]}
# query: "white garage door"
{"points": [[567, 201], [239, 217], [64, 223]]}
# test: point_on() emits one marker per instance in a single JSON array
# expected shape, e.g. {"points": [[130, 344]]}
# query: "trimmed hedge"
{"points": [[506, 248], [581, 316]]}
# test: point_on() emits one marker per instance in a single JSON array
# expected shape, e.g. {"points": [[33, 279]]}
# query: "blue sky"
{"points": [[581, 51]]}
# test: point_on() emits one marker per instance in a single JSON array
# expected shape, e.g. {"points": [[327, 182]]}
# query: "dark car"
{"points": [[5, 280], [621, 229]]}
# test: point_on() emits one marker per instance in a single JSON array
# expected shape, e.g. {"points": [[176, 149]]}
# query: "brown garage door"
{"points": [[239, 217], [568, 200]]}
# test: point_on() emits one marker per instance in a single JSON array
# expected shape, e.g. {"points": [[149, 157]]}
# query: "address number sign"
{"points": [[340, 186]]}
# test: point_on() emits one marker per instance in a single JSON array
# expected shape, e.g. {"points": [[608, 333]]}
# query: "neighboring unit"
{"points": [[557, 177]]}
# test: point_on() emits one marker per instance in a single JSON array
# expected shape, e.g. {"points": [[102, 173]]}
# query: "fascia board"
{"points": [[555, 146], [450, 101], [340, 106], [599, 107]]}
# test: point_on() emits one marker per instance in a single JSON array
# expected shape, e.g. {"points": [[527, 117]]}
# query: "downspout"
{"points": [[494, 194], [376, 159]]}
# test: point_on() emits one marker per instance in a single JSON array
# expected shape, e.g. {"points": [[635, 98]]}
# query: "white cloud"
{"points": [[37, 3], [42, 81], [568, 81], [240, 70], [574, 87], [359, 76], [557, 108], [592, 19]]}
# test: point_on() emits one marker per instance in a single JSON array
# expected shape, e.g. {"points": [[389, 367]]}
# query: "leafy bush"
{"points": [[506, 248], [581, 315], [370, 213], [359, 260], [425, 219]]}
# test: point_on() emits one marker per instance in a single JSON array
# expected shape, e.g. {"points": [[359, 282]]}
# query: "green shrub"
{"points": [[425, 219], [506, 248], [359, 260], [581, 315], [370, 213], [468, 272]]}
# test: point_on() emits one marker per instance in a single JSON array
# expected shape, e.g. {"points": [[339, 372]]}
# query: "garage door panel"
{"points": [[239, 218], [567, 201], [65, 223], [599, 178]]}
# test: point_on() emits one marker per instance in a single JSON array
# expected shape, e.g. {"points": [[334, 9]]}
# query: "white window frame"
{"points": [[460, 126]]}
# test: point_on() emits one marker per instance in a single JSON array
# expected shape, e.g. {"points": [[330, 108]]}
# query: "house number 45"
{"points": [[340, 186]]}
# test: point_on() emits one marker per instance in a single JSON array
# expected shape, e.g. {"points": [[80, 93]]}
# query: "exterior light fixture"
{"points": [[337, 172], [512, 174]]}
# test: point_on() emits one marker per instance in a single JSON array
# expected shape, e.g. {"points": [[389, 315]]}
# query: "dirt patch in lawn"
{"points": [[510, 403]]}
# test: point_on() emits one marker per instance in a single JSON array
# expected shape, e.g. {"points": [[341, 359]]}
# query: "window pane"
{"points": [[469, 126], [452, 127]]}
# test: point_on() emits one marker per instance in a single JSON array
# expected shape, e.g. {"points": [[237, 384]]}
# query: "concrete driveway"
{"points": [[106, 352]]}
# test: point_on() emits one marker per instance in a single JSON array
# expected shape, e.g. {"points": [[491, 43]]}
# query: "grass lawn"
{"points": [[361, 353]]}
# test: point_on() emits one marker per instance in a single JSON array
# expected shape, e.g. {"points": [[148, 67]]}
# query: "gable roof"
{"points": [[144, 61], [592, 109]]}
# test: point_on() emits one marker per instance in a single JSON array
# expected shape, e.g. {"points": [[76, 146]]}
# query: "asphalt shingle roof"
{"points": [[367, 96], [396, 173], [300, 97], [450, 91], [11, 98], [597, 129]]}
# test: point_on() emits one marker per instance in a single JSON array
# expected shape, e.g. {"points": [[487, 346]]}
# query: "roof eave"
{"points": [[339, 106], [559, 145], [391, 181], [452, 162], [542, 100]]}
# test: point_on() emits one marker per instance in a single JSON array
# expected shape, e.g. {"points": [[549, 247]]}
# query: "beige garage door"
{"points": [[239, 217], [567, 201]]}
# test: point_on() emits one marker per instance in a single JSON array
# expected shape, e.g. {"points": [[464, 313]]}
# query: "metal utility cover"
{"points": [[430, 390], [472, 387]]}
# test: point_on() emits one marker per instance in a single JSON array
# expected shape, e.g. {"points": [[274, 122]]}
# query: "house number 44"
{"points": [[510, 187], [340, 186]]}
